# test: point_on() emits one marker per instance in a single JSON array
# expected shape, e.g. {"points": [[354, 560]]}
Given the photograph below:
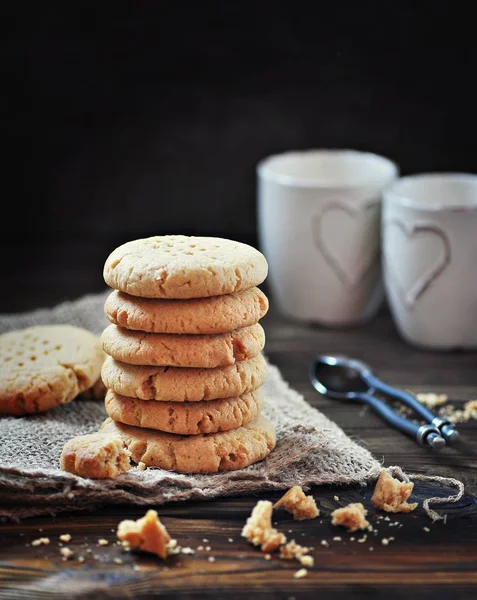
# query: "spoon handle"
{"points": [[388, 415], [402, 396]]}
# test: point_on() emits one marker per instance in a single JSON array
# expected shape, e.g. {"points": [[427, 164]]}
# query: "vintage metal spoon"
{"points": [[343, 378]]}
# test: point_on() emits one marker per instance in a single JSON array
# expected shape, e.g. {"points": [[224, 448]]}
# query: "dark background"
{"points": [[131, 119]]}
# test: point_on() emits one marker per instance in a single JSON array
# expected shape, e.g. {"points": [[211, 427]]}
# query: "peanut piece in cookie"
{"points": [[298, 504], [147, 534], [353, 517], [95, 456], [258, 529], [391, 494]]}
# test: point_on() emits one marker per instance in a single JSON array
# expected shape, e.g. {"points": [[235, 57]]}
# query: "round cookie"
{"points": [[217, 314], [44, 366], [173, 350], [179, 266], [223, 451], [183, 384], [184, 418]]}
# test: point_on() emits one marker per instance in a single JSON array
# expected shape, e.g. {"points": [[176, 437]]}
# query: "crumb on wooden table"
{"points": [[432, 400], [300, 573], [258, 529], [65, 537], [66, 553], [43, 541], [352, 516], [391, 495], [147, 534], [292, 550], [298, 504]]}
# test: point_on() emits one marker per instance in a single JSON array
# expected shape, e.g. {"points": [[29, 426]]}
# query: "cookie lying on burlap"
{"points": [[179, 266], [223, 451], [217, 314], [44, 366]]}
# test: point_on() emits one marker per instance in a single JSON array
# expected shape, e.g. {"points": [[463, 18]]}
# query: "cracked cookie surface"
{"points": [[184, 384], [173, 350], [44, 366], [210, 453], [179, 266], [185, 418], [217, 314]]}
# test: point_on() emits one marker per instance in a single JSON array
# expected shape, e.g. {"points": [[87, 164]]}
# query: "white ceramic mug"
{"points": [[319, 228], [429, 237]]}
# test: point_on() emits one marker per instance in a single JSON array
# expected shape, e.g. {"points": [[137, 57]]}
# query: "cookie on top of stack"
{"points": [[184, 365]]}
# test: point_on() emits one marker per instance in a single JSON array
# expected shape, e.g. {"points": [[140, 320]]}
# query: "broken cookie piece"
{"points": [[298, 504], [147, 534], [95, 456], [391, 494], [258, 529], [353, 517]]}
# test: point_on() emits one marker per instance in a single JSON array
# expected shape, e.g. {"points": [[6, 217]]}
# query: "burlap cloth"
{"points": [[310, 449]]}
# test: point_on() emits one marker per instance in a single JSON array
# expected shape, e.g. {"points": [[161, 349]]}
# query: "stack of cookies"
{"points": [[184, 361]]}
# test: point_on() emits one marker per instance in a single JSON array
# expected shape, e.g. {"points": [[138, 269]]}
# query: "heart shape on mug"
{"points": [[348, 239], [424, 253]]}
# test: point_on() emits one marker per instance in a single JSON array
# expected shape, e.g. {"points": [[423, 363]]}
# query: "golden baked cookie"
{"points": [[179, 266], [162, 349], [224, 451], [44, 366], [185, 418], [96, 456], [184, 384], [217, 314]]}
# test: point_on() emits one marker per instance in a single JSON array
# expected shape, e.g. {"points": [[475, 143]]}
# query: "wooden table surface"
{"points": [[439, 563]]}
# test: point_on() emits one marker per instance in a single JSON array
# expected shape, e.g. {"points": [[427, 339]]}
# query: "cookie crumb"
{"points": [[208, 548], [231, 540], [66, 553], [293, 550], [141, 466], [306, 560], [352, 516], [205, 540], [337, 538], [211, 559], [300, 574], [267, 556], [298, 504], [81, 559], [385, 541], [43, 541], [371, 548], [336, 498], [103, 542], [147, 534], [258, 529], [426, 529], [432, 400], [391, 494], [187, 550], [199, 548], [118, 561], [65, 537], [324, 543]]}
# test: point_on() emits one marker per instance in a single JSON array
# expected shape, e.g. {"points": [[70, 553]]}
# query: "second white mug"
{"points": [[319, 228]]}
